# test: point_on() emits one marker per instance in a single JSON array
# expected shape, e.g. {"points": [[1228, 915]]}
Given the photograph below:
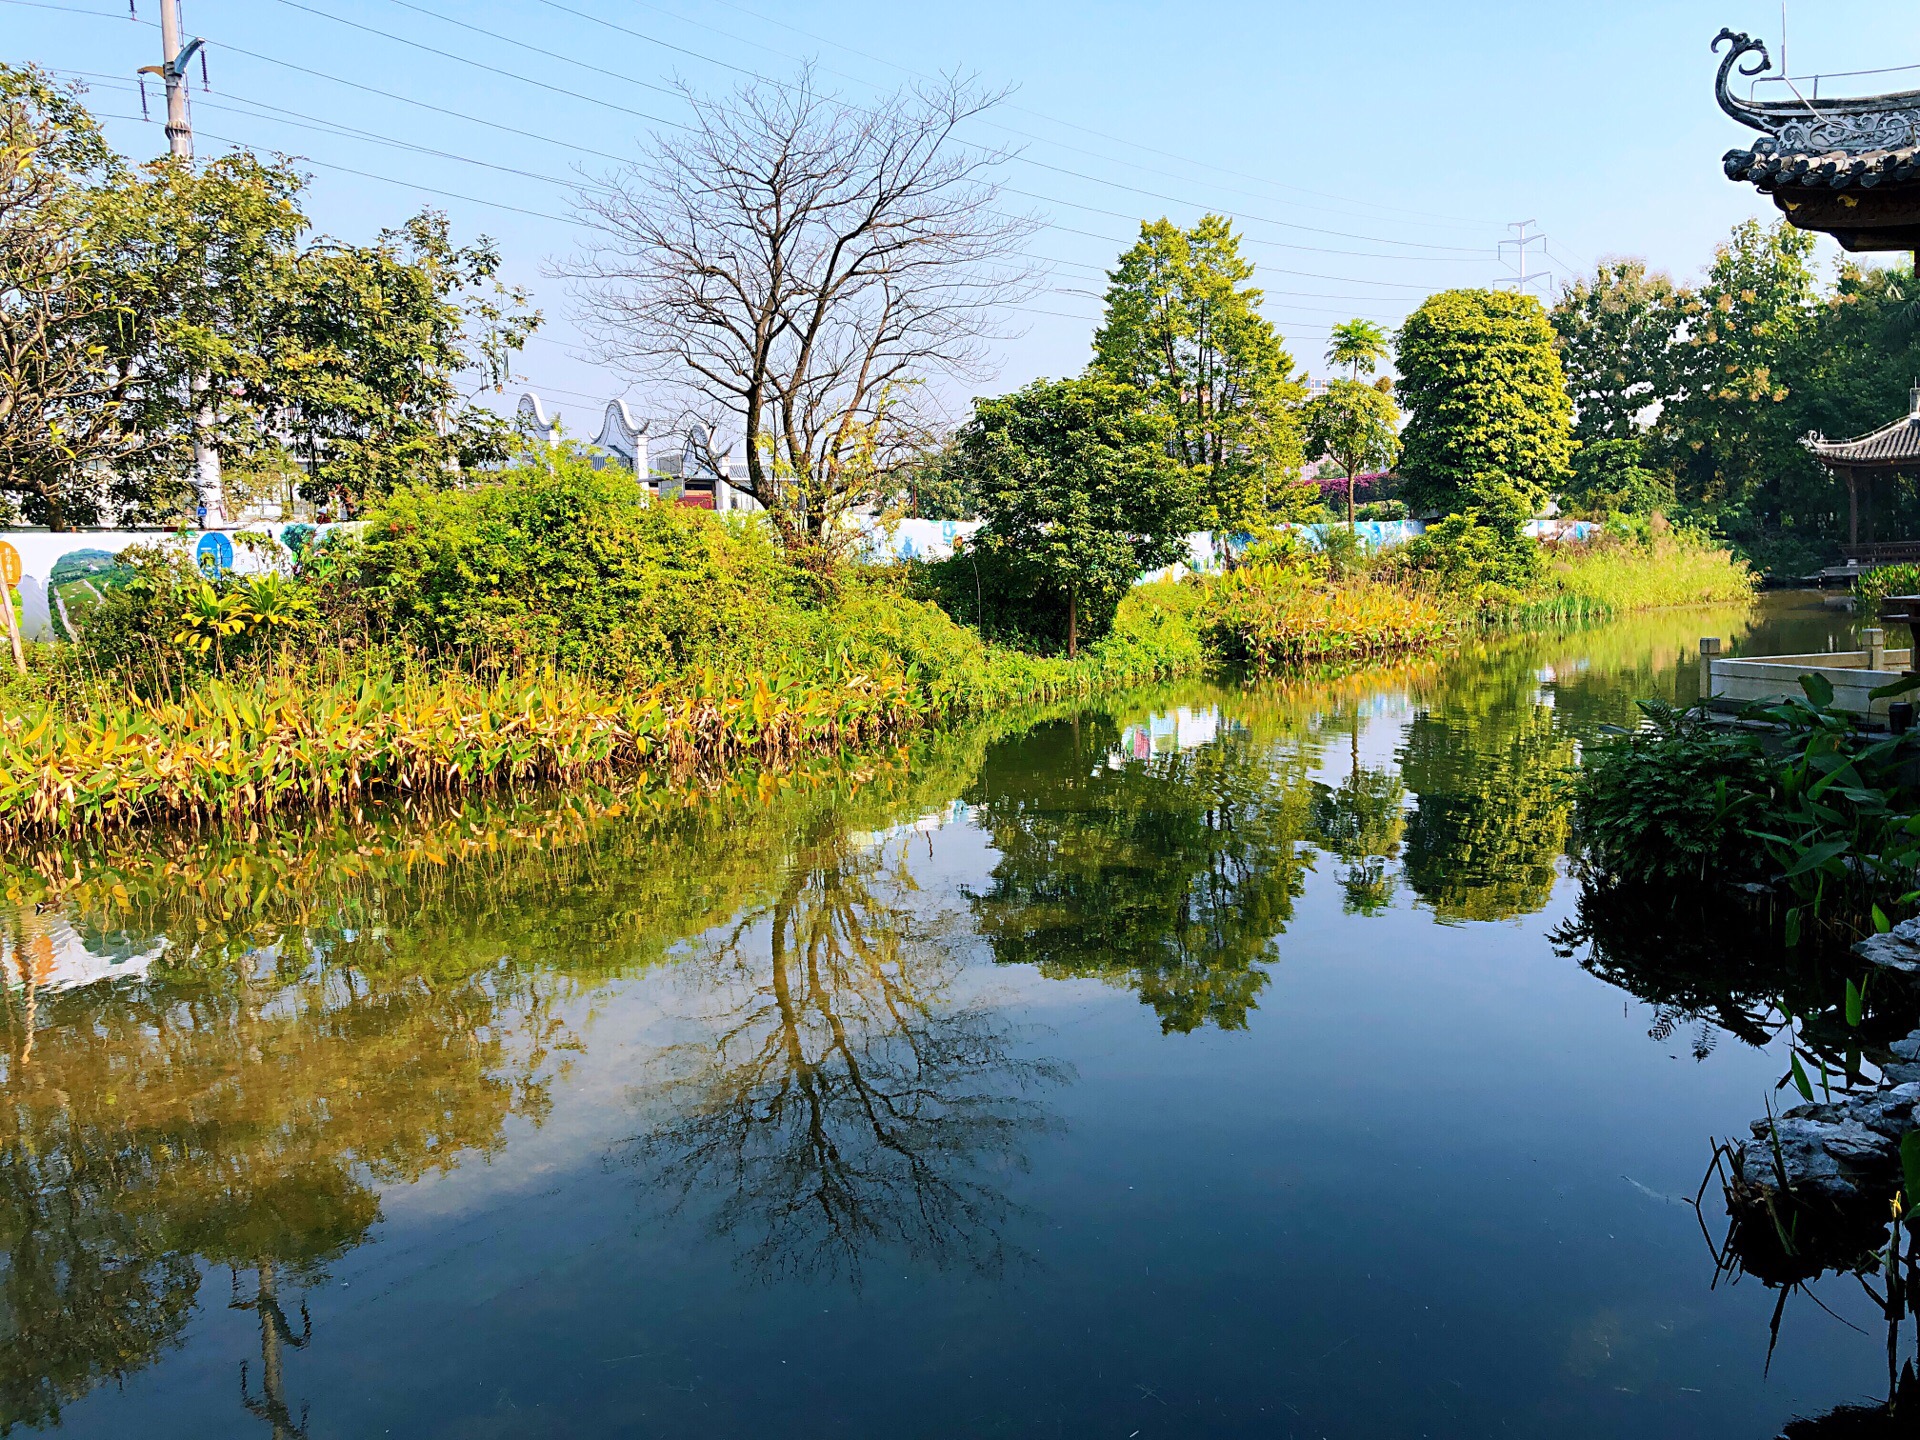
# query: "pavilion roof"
{"points": [[1848, 167], [1891, 447]]}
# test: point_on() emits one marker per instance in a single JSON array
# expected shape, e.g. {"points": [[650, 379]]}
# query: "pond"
{"points": [[1211, 1061]]}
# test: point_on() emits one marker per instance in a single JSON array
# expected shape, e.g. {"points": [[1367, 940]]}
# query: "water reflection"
{"points": [[1361, 822], [242, 1117], [1169, 872], [227, 1057], [843, 1097], [1488, 767], [218, 1053]]}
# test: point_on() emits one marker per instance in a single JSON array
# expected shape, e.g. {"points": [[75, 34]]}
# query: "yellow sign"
{"points": [[9, 564]]}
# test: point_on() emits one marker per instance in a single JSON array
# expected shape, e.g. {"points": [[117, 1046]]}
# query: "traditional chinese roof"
{"points": [[1891, 447], [1847, 167]]}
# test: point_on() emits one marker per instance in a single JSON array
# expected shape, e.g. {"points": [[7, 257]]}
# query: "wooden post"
{"points": [[1853, 512], [1709, 652]]}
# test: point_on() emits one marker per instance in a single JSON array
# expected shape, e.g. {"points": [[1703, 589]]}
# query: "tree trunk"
{"points": [[1073, 621], [1350, 524]]}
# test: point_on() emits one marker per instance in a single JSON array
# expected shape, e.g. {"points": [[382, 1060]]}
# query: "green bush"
{"points": [[577, 566], [1881, 581], [1471, 562], [1673, 802]]}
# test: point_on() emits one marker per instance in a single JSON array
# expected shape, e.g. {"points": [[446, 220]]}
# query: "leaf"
{"points": [[1814, 856], [1819, 690], [1856, 1004], [1881, 925], [1793, 927], [1895, 687], [1800, 1081]]}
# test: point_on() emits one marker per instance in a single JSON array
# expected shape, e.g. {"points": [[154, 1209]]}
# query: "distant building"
{"points": [[680, 466]]}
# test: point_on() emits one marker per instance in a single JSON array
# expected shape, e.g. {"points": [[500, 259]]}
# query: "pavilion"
{"points": [[1849, 168]]}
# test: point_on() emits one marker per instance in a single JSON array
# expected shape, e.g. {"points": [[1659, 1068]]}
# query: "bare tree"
{"points": [[793, 267]]}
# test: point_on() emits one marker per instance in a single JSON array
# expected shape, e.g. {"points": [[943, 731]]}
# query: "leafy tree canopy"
{"points": [[1488, 415], [1078, 490], [1354, 425], [1183, 327], [141, 307], [1614, 334]]}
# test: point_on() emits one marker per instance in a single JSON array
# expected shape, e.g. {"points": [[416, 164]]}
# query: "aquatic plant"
{"points": [[1265, 618]]}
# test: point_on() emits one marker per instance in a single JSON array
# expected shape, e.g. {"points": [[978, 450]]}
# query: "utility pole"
{"points": [[1520, 243], [172, 70]]}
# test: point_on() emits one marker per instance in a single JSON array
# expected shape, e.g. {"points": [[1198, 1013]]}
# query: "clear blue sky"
{"points": [[1415, 132]]}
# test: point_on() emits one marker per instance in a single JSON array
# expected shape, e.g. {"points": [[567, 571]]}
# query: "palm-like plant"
{"points": [[1359, 345]]}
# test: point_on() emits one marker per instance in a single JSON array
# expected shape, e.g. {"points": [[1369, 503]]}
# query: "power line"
{"points": [[1480, 252], [1468, 255], [351, 84], [1065, 229], [491, 69], [1084, 129], [315, 123]]}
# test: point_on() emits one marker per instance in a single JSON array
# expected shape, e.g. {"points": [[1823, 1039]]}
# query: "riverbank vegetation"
{"points": [[1814, 814], [558, 626], [515, 610]]}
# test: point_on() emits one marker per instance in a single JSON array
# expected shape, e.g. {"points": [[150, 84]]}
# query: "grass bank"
{"points": [[554, 627]]}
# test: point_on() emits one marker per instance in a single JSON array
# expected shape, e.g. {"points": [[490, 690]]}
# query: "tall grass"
{"points": [[1266, 619], [226, 750], [1616, 577]]}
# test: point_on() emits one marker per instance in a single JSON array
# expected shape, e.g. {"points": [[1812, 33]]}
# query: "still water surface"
{"points": [[1200, 1063]]}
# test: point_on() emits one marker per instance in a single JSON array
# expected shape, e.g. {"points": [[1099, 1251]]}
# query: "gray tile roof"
{"points": [[1891, 447], [1768, 168]]}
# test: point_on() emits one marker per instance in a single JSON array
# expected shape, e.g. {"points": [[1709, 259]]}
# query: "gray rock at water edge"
{"points": [[1845, 1151], [1897, 950]]}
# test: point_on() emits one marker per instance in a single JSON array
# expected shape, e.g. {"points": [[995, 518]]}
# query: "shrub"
{"points": [[1620, 575], [1673, 802], [1881, 581], [577, 566], [1472, 563], [1262, 618]]}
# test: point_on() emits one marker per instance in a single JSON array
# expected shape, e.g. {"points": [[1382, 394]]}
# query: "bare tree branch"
{"points": [[793, 269]]}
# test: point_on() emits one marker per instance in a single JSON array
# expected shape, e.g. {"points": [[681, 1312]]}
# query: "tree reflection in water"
{"points": [[1169, 874], [243, 1118], [307, 1015], [1361, 821], [845, 1097]]}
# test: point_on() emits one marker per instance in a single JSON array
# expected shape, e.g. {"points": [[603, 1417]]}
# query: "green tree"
{"points": [[371, 352], [1359, 345], [1611, 475], [1729, 430], [62, 412], [1183, 327], [1353, 424], [1615, 334], [1078, 491], [1488, 414], [145, 309]]}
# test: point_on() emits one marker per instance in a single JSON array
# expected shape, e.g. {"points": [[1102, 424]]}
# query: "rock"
{"points": [[1907, 1049], [1839, 1160], [1897, 950], [1901, 1074]]}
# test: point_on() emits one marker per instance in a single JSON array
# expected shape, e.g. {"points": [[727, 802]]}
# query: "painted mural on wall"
{"points": [[65, 575]]}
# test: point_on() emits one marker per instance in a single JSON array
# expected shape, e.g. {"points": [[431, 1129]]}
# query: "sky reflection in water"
{"points": [[1194, 1064]]}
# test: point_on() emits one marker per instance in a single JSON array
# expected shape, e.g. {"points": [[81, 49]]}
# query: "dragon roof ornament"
{"points": [[1813, 126]]}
